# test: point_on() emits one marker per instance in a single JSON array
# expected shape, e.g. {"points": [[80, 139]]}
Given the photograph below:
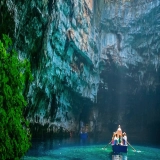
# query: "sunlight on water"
{"points": [[89, 152]]}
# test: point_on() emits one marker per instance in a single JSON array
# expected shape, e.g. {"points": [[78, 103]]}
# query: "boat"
{"points": [[84, 135], [119, 141], [119, 148]]}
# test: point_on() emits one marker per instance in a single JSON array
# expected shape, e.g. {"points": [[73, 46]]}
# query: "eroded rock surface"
{"points": [[94, 63]]}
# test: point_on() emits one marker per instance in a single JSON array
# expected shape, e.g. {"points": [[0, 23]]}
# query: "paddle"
{"points": [[107, 145], [131, 146]]}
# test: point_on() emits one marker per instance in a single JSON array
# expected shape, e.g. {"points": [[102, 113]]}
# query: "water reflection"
{"points": [[85, 149], [119, 157]]}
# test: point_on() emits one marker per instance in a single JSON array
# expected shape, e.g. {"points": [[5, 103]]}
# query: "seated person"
{"points": [[124, 139], [112, 141], [115, 140]]}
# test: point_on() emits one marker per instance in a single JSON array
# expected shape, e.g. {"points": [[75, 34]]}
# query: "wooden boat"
{"points": [[119, 148], [84, 135], [119, 141]]}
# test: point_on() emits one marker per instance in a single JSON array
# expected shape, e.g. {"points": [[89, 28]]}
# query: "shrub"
{"points": [[15, 136]]}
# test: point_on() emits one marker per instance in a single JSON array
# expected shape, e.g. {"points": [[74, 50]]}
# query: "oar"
{"points": [[131, 146], [107, 145]]}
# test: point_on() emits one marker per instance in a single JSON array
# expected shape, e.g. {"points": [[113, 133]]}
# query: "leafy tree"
{"points": [[14, 133]]}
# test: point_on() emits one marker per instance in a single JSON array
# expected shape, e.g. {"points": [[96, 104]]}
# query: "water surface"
{"points": [[71, 149]]}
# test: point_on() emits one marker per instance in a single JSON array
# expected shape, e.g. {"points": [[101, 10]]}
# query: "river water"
{"points": [[74, 149]]}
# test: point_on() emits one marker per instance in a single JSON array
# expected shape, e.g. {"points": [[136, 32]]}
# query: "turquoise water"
{"points": [[74, 150]]}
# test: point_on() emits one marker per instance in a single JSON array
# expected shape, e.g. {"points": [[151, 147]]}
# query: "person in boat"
{"points": [[112, 142], [124, 139], [115, 140], [119, 131]]}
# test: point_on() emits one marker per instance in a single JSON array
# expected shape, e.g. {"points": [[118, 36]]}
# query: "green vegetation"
{"points": [[14, 133]]}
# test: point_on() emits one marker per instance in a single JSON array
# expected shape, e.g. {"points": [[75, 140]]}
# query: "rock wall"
{"points": [[129, 37], [67, 66], [129, 50], [57, 37], [92, 61]]}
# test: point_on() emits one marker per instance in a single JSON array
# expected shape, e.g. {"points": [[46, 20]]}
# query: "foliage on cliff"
{"points": [[15, 136]]}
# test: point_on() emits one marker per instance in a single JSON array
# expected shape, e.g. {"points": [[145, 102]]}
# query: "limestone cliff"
{"points": [[129, 48], [58, 39], [91, 59]]}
